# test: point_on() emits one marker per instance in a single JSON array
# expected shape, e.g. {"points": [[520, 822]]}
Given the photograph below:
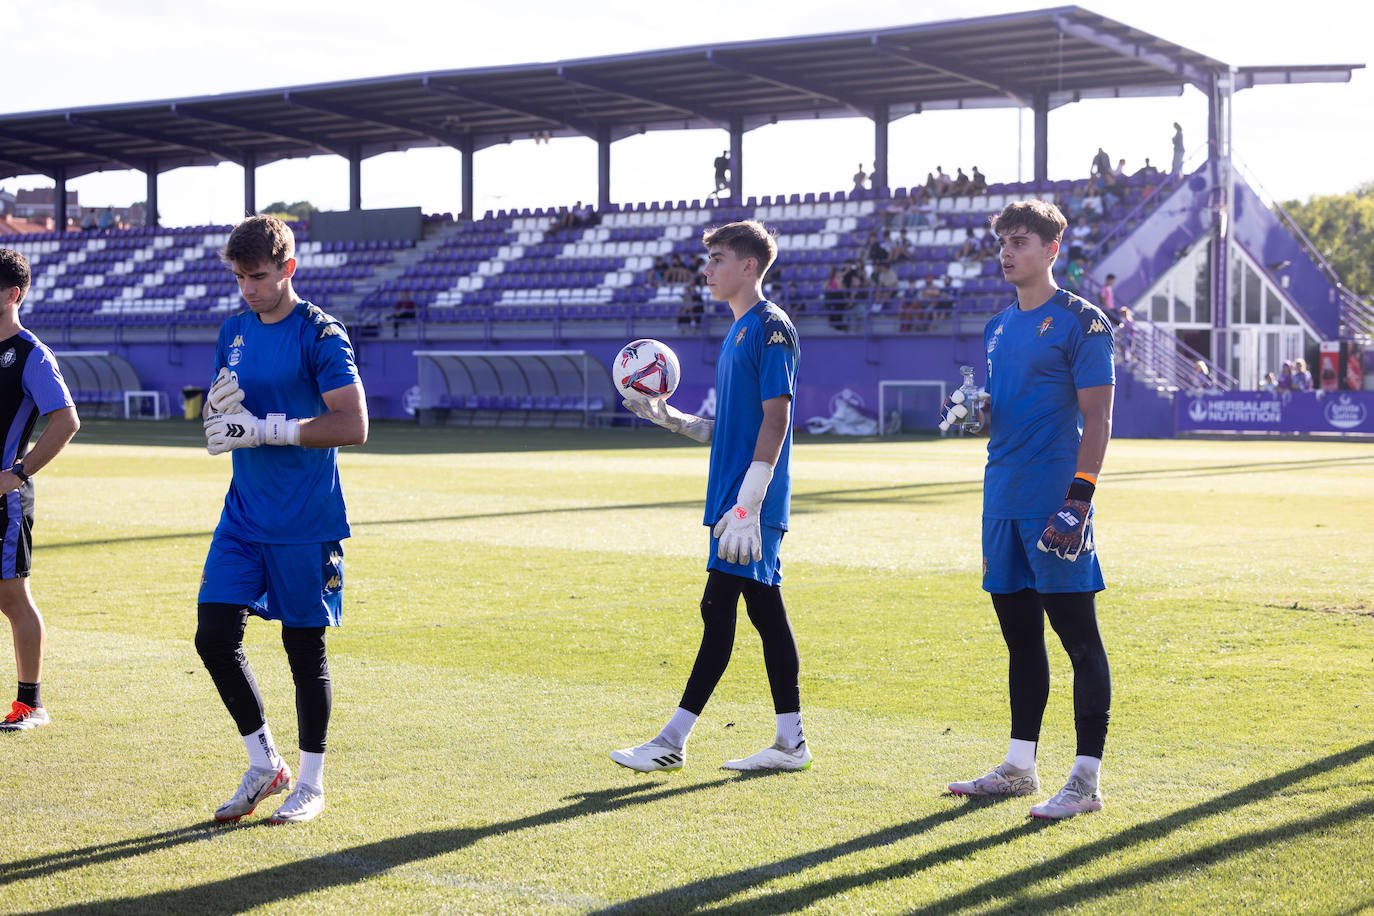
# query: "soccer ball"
{"points": [[644, 370]]}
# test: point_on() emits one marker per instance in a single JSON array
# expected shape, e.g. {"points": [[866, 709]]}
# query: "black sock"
{"points": [[28, 695]]}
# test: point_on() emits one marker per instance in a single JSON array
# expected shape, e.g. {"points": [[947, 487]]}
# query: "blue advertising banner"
{"points": [[1289, 412]]}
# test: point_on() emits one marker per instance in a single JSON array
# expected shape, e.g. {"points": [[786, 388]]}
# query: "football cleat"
{"points": [[257, 784], [776, 757], [1077, 797], [1003, 779], [651, 757], [22, 718], [300, 806]]}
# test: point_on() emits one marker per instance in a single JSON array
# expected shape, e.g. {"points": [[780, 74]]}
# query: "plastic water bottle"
{"points": [[965, 399]]}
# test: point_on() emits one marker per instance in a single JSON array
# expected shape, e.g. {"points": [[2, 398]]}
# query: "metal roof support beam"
{"points": [[355, 176], [250, 183], [150, 197], [880, 121], [603, 167], [787, 81], [667, 100], [1171, 65], [35, 168], [736, 159], [214, 149], [1040, 109], [62, 146], [59, 198], [359, 114], [941, 64], [468, 148], [520, 108], [214, 117]]}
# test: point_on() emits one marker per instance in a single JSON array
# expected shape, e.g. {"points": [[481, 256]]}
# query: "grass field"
{"points": [[519, 603]]}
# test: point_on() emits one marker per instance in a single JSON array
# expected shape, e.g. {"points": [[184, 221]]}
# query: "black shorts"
{"points": [[16, 521]]}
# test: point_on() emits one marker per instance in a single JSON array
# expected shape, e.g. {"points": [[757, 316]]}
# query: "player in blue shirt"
{"points": [[1049, 411], [276, 552], [748, 492], [30, 385]]}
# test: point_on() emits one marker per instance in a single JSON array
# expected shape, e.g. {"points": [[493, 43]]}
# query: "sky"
{"points": [[1294, 141]]}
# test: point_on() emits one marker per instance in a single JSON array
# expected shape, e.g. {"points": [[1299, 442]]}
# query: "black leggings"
{"points": [[219, 640], [719, 603], [1074, 618]]}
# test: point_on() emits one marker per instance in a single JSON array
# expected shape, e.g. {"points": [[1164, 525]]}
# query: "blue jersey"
{"points": [[30, 385], [1037, 361], [286, 494], [758, 362]]}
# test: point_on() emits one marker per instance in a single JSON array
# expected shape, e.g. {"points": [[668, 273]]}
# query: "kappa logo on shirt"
{"points": [[1045, 326], [331, 330], [238, 341], [333, 583], [1097, 327], [778, 338], [7, 358]]}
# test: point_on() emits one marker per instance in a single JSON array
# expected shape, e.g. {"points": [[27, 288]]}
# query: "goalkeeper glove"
{"points": [[226, 432], [741, 540], [225, 395], [1070, 530], [659, 412], [956, 409]]}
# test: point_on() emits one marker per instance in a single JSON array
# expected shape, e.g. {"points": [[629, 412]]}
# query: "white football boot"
{"points": [[1077, 797], [302, 805], [651, 757], [22, 717], [257, 784], [776, 757], [1003, 779]]}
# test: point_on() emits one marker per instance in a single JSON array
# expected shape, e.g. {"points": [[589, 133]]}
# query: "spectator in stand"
{"points": [[884, 286], [107, 220], [988, 246], [1302, 379], [901, 248], [585, 217], [1126, 335], [942, 182], [1102, 164], [793, 297], [860, 178], [1202, 377], [1286, 376], [856, 284], [912, 311], [689, 314], [657, 272], [89, 223], [896, 212], [1147, 171], [941, 296], [1177, 168], [979, 183], [968, 251], [1091, 204], [932, 185], [924, 215], [722, 165], [1106, 297], [1269, 384], [874, 252], [1120, 174], [876, 179], [677, 272], [836, 299], [1074, 274], [960, 185]]}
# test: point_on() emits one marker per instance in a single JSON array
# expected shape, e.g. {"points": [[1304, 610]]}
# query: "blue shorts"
{"points": [[299, 584], [1012, 561], [768, 570]]}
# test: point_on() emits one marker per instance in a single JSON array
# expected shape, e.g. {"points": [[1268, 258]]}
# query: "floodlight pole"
{"points": [[603, 167], [881, 117], [59, 198], [468, 150], [355, 176], [736, 158], [250, 183], [150, 197], [1040, 106]]}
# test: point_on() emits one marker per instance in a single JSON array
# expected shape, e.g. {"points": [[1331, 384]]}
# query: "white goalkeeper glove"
{"points": [[661, 413], [740, 538], [957, 408], [225, 395], [226, 432]]}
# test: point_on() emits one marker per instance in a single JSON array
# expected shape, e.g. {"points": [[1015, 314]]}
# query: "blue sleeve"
{"points": [[221, 358], [777, 361], [331, 358], [44, 383], [1094, 351]]}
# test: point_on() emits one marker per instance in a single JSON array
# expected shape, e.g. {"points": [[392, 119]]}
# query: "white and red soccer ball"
{"points": [[645, 369]]}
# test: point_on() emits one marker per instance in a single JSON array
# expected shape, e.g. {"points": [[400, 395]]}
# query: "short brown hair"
{"points": [[747, 239], [1038, 216], [260, 239], [14, 271]]}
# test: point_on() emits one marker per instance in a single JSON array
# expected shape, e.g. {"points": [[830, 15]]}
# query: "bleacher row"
{"points": [[512, 265]]}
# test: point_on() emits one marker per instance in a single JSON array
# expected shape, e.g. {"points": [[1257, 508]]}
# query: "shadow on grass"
{"points": [[345, 866], [696, 897]]}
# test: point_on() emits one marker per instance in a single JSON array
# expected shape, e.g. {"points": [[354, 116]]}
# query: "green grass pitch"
{"points": [[519, 603]]}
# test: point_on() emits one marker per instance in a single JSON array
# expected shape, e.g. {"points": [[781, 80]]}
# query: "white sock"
{"points": [[1021, 754], [679, 728], [1088, 767], [312, 771], [790, 730], [262, 750]]}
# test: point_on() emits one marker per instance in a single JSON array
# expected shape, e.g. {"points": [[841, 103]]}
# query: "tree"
{"points": [[1341, 228], [301, 209]]}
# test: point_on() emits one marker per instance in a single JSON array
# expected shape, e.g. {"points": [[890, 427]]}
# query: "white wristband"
{"points": [[277, 430]]}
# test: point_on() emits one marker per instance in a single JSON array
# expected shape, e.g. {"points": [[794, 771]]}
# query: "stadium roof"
{"points": [[1050, 57]]}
